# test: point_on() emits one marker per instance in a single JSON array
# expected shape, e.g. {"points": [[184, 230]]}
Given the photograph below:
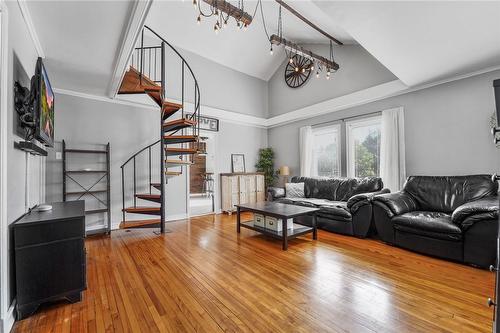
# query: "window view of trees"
{"points": [[326, 154], [367, 154], [362, 144]]}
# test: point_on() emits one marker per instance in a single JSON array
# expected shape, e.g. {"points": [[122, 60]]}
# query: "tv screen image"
{"points": [[45, 130]]}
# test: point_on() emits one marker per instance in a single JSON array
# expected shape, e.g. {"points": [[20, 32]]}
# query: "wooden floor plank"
{"points": [[204, 277]]}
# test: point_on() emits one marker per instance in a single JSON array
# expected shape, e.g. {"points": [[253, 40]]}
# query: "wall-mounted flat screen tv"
{"points": [[44, 106]]}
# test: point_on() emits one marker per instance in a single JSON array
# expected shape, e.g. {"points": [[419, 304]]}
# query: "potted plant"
{"points": [[265, 164]]}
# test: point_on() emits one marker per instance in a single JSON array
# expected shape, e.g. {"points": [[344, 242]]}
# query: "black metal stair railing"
{"points": [[150, 62]]}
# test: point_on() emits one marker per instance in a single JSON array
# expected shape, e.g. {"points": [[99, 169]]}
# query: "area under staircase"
{"points": [[144, 180]]}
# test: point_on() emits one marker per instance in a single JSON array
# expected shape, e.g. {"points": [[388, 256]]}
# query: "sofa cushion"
{"points": [[336, 210], [445, 194], [338, 189], [294, 190], [308, 202], [430, 224]]}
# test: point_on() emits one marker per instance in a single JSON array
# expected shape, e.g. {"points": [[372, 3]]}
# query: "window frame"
{"points": [[325, 129], [350, 125]]}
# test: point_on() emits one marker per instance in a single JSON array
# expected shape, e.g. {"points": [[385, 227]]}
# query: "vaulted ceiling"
{"points": [[418, 41], [245, 51]]}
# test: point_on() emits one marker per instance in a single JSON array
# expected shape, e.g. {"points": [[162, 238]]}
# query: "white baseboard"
{"points": [[8, 319], [175, 217]]}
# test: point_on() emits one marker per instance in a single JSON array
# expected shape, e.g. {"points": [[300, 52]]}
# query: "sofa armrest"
{"points": [[396, 203], [361, 199], [274, 193], [469, 213]]}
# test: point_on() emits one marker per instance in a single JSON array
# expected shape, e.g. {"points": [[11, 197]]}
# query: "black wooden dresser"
{"points": [[50, 257]]}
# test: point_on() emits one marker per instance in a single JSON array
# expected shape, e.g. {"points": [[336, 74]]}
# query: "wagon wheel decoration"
{"points": [[298, 71]]}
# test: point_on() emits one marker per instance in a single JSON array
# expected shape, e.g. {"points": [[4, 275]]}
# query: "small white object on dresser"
{"points": [[276, 224], [259, 220]]}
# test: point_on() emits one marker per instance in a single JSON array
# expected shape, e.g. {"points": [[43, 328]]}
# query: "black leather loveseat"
{"points": [[345, 203], [448, 217]]}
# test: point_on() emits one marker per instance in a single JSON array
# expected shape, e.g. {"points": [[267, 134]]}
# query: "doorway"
{"points": [[202, 178]]}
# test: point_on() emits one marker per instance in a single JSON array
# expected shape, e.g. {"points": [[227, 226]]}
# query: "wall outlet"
{"points": [[58, 155]]}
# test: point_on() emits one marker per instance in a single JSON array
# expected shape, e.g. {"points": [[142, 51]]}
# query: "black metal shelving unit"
{"points": [[87, 191]]}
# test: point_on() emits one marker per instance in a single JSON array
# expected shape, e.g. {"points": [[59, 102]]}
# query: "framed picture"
{"points": [[238, 163]]}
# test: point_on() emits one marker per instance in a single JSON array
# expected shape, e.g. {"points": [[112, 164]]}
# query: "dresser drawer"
{"points": [[31, 234]]}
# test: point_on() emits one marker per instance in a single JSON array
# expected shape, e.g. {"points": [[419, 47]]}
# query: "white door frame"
{"points": [[6, 314], [212, 136]]}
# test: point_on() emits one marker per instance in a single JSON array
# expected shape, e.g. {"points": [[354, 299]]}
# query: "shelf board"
{"points": [[86, 151], [96, 211], [298, 230], [86, 192]]}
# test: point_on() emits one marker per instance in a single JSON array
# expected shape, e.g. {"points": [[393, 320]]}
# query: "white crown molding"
{"points": [[361, 97], [223, 115], [365, 96], [357, 98], [127, 44], [31, 27]]}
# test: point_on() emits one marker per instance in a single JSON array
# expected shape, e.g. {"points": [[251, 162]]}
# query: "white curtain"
{"points": [[392, 149], [306, 150]]}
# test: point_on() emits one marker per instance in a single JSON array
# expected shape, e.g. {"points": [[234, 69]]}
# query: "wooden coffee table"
{"points": [[280, 211]]}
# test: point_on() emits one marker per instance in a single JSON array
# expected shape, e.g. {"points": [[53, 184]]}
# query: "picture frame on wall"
{"points": [[238, 163]]}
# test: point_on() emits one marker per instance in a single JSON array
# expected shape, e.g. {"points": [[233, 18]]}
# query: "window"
{"points": [[363, 147], [326, 151]]}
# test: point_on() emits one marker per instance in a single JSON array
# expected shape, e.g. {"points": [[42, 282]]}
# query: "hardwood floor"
{"points": [[204, 277]]}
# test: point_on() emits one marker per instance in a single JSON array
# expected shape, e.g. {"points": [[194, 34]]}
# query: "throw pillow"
{"points": [[294, 190]]}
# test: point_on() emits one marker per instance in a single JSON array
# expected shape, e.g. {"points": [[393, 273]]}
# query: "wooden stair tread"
{"points": [[140, 209], [180, 151], [178, 162], [173, 173], [138, 223], [180, 121], [172, 139], [131, 83], [174, 125]]}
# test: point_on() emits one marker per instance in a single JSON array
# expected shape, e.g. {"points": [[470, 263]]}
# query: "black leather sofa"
{"points": [[345, 203], [453, 218]]}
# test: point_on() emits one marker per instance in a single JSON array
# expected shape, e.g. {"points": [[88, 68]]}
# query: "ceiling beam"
{"points": [[276, 40], [231, 10], [309, 23]]}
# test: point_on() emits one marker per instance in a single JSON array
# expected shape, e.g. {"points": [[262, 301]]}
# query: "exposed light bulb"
{"points": [[198, 20], [194, 3], [225, 23], [291, 61], [317, 75], [238, 24], [296, 69], [312, 68], [245, 27], [271, 50], [328, 77], [303, 70]]}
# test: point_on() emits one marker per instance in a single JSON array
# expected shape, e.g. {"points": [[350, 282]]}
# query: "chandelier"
{"points": [[299, 58], [223, 10]]}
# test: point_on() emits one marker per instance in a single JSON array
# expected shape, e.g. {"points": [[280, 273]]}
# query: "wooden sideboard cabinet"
{"points": [[50, 257], [241, 188]]}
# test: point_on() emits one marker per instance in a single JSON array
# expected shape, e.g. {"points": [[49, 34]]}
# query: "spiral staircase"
{"points": [[179, 130]]}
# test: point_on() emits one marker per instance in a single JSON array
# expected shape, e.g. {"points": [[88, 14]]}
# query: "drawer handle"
{"points": [[491, 303], [493, 268]]}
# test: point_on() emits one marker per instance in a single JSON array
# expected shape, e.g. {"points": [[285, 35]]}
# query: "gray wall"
{"points": [[83, 123], [447, 128], [358, 71], [25, 181], [220, 86]]}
